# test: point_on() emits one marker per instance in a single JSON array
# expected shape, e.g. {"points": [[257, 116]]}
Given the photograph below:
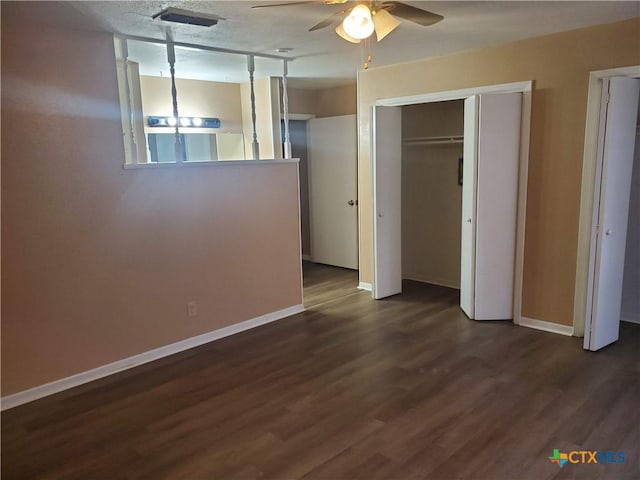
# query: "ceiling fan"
{"points": [[358, 22]]}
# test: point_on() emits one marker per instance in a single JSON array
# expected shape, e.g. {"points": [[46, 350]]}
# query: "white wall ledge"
{"points": [[210, 163]]}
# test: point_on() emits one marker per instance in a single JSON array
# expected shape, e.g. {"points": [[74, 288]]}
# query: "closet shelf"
{"points": [[446, 140]]}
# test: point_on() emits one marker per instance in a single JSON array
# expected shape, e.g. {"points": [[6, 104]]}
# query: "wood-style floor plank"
{"points": [[323, 283], [352, 388]]}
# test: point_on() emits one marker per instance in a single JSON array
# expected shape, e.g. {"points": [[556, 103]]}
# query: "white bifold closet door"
{"points": [[619, 110], [387, 201], [490, 194], [489, 204]]}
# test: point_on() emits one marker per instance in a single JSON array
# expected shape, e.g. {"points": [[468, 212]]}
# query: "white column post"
{"points": [[130, 113], [171, 57], [254, 145], [285, 107]]}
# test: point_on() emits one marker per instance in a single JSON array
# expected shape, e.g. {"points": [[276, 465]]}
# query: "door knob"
{"points": [[608, 232], [468, 220], [351, 203]]}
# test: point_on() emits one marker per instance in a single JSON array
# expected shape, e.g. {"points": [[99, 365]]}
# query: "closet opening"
{"points": [[630, 307], [432, 167], [458, 224]]}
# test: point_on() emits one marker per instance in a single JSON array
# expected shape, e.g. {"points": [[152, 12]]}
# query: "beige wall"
{"points": [[302, 100], [98, 263], [336, 101], [436, 119], [559, 65], [431, 196], [323, 102]]}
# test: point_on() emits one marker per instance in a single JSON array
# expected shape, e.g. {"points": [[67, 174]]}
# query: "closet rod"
{"points": [[448, 140]]}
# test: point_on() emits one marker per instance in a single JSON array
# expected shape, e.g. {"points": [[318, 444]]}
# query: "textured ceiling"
{"points": [[321, 56]]}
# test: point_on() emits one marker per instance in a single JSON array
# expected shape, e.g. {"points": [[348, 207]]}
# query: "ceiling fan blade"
{"points": [[413, 14], [282, 4], [336, 17]]}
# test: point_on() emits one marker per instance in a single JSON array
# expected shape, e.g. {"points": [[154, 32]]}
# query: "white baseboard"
{"points": [[307, 258], [56, 386], [364, 286], [631, 317], [546, 326]]}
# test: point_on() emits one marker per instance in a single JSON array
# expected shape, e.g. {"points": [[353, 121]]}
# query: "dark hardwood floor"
{"points": [[352, 388], [323, 283]]}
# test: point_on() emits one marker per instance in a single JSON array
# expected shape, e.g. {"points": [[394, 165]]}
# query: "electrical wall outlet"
{"points": [[192, 309]]}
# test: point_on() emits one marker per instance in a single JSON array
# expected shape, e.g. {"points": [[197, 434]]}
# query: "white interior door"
{"points": [[489, 204], [619, 109], [332, 190], [469, 182], [387, 204]]}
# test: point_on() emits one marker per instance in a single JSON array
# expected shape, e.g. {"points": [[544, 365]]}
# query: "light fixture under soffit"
{"points": [[198, 122], [382, 21]]}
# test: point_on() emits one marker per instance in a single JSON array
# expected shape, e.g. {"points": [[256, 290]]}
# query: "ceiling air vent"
{"points": [[185, 16]]}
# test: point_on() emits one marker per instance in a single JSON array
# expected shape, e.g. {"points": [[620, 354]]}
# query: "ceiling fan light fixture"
{"points": [[358, 22], [384, 23], [340, 31]]}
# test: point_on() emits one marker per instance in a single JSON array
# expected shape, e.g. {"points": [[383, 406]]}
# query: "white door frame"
{"points": [[526, 88], [584, 272]]}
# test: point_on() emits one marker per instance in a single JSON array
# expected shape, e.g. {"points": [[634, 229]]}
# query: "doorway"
{"points": [[505, 107], [630, 311], [432, 161], [299, 149], [326, 148]]}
